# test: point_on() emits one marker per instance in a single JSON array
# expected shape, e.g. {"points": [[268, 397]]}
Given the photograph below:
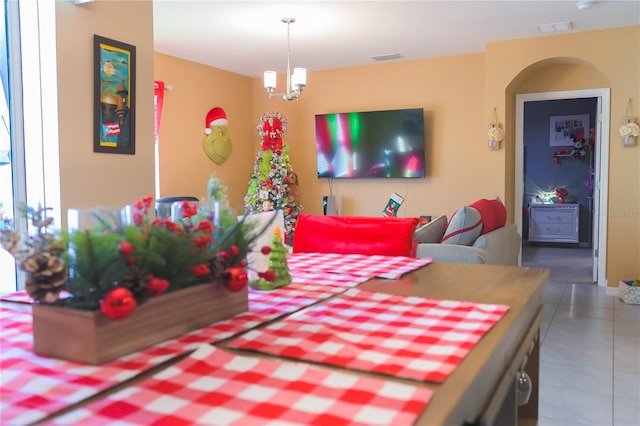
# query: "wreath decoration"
{"points": [[270, 127]]}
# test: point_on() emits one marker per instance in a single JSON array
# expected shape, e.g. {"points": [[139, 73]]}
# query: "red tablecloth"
{"points": [[33, 386], [213, 386], [403, 336]]}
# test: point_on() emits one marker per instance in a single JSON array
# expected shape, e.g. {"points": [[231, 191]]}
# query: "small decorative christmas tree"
{"points": [[217, 191], [273, 184], [278, 273]]}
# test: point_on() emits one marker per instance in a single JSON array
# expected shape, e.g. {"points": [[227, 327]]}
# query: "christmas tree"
{"points": [[273, 184], [278, 273]]}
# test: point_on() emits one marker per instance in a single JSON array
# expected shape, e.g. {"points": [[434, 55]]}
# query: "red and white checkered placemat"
{"points": [[404, 336], [17, 297], [34, 386], [391, 267], [213, 386], [309, 278]]}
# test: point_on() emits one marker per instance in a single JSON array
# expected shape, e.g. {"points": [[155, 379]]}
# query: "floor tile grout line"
{"points": [[613, 369], [553, 316]]}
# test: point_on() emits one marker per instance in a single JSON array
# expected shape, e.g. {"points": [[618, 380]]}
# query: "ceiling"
{"points": [[248, 37]]}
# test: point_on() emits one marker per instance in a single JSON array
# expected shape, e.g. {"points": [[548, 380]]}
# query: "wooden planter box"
{"points": [[93, 338]]}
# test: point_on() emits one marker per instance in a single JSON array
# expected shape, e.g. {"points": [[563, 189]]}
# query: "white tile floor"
{"points": [[590, 357]]}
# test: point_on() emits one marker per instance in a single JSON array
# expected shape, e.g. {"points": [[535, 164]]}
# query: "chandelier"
{"points": [[295, 81]]}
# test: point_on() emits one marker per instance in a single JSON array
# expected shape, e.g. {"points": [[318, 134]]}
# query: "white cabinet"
{"points": [[557, 223]]}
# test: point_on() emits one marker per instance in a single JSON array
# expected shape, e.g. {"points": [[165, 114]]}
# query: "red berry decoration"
{"points": [[125, 248], [119, 303], [242, 263], [265, 250], [223, 255], [234, 250], [235, 279], [130, 261], [268, 275], [158, 286]]}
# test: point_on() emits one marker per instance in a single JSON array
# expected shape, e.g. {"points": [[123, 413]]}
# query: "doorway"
{"points": [[600, 169]]}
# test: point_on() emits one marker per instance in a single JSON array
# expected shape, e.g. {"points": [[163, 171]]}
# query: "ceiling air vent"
{"points": [[389, 57], [555, 27]]}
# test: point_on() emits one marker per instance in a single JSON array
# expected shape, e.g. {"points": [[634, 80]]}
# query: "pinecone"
{"points": [[47, 276], [136, 280], [10, 240], [217, 265]]}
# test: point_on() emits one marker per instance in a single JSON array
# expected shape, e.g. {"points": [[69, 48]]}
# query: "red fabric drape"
{"points": [[158, 101]]}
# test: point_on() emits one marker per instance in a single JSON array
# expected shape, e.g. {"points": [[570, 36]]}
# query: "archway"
{"points": [[556, 79]]}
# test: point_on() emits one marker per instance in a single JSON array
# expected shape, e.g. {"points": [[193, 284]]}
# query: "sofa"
{"points": [[476, 233], [498, 247]]}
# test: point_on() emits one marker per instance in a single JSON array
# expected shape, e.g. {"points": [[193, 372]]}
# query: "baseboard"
{"points": [[550, 244]]}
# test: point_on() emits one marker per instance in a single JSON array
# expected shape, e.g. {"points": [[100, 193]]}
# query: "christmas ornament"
{"points": [[268, 275], [125, 248], [278, 273], [119, 303], [235, 278], [217, 144], [158, 286]]}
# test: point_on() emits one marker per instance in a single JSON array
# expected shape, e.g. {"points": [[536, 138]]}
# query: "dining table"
{"points": [[354, 339]]}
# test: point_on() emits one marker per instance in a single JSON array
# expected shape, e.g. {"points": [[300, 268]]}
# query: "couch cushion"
{"points": [[431, 232], [464, 227], [389, 236], [493, 213]]}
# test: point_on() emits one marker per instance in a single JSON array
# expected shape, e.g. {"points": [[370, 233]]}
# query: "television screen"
{"points": [[372, 144]]}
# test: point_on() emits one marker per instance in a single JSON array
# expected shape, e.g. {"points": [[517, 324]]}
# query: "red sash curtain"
{"points": [[158, 101]]}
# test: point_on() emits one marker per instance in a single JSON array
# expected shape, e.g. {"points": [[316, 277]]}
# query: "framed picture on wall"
{"points": [[114, 96], [565, 129]]}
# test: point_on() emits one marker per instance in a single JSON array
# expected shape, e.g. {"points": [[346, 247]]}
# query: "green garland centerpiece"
{"points": [[120, 263]]}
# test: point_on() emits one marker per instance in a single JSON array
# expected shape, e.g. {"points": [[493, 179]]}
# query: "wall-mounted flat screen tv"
{"points": [[371, 144]]}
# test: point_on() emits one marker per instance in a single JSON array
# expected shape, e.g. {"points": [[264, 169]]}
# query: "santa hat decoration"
{"points": [[216, 116]]}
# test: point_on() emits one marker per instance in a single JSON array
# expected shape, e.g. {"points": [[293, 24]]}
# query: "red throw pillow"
{"points": [[493, 213], [389, 236]]}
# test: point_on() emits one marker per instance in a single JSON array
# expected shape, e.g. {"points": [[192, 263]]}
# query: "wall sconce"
{"points": [[495, 133], [629, 129]]}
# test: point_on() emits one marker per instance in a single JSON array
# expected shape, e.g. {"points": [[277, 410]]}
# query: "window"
{"points": [[29, 83]]}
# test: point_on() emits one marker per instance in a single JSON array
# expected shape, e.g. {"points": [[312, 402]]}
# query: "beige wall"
{"points": [[88, 179], [451, 92], [580, 61], [458, 94], [184, 166]]}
